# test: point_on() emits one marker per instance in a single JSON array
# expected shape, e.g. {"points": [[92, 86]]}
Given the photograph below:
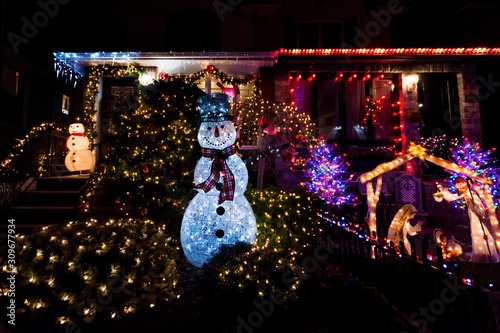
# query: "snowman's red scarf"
{"points": [[219, 166], [74, 134]]}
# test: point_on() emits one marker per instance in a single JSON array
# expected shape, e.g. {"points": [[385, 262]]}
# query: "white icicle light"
{"points": [[208, 225]]}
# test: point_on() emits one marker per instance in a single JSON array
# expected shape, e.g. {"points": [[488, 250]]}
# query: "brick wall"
{"points": [[469, 102], [282, 90]]}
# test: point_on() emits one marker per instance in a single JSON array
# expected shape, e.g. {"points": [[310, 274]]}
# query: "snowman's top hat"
{"points": [[214, 107]]}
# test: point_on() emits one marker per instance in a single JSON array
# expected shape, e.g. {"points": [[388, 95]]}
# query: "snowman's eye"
{"points": [[209, 128], [221, 126]]}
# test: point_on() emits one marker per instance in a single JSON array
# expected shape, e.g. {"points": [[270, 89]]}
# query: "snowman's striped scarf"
{"points": [[219, 166]]}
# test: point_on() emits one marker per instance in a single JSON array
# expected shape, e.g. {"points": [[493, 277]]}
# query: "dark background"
{"points": [[252, 25]]}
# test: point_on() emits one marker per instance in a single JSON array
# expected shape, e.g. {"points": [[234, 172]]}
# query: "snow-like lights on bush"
{"points": [[219, 214], [325, 170], [470, 154]]}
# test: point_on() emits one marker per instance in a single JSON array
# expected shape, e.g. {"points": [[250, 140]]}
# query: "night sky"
{"points": [[92, 25], [145, 25]]}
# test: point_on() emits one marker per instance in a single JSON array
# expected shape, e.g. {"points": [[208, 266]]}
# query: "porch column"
{"points": [[412, 116], [468, 93], [98, 120], [208, 84]]}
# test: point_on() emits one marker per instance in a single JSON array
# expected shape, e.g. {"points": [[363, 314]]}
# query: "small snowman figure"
{"points": [[79, 157], [77, 139], [219, 214]]}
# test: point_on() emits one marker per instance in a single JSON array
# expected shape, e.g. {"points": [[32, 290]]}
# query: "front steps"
{"points": [[51, 200]]}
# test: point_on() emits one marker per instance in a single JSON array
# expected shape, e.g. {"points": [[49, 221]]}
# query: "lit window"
{"points": [[65, 104]]}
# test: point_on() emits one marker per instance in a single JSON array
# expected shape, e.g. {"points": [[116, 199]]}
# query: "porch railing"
{"points": [[45, 157]]}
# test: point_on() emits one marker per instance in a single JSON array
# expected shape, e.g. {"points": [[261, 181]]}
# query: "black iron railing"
{"points": [[43, 157], [433, 295]]}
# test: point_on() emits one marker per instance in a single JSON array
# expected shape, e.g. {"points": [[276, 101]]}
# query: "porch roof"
{"points": [[384, 52], [179, 63]]}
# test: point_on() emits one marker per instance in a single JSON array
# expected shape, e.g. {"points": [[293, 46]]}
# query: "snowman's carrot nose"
{"points": [[216, 134]]}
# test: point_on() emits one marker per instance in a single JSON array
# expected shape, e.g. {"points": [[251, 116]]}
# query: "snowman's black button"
{"points": [[219, 233], [219, 186], [220, 210], [73, 144], [74, 161]]}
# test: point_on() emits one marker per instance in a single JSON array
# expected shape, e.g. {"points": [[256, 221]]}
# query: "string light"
{"points": [[92, 88], [420, 152], [372, 107], [215, 73], [470, 154], [37, 132], [392, 51], [325, 169]]}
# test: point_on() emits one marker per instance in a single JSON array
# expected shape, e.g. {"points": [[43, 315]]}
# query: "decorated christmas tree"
{"points": [[470, 154], [325, 169], [154, 151], [281, 121], [280, 136]]}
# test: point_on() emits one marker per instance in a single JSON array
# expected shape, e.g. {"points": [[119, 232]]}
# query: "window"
{"points": [[290, 24], [439, 104], [319, 35], [348, 119], [350, 36], [66, 101], [331, 35], [308, 36], [10, 81]]}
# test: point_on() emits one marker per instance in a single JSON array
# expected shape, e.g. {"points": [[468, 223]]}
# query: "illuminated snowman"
{"points": [[79, 157], [77, 139], [219, 214]]}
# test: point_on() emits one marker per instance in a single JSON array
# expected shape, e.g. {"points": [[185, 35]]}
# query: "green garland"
{"points": [[96, 72], [214, 72], [37, 132], [221, 76]]}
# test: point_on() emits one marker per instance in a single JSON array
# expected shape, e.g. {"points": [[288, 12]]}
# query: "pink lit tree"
{"points": [[325, 170]]}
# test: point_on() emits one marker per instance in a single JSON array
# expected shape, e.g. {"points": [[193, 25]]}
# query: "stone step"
{"points": [[48, 198], [40, 215], [73, 182], [59, 169]]}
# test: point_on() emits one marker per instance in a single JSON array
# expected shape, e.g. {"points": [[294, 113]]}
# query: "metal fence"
{"points": [[430, 295]]}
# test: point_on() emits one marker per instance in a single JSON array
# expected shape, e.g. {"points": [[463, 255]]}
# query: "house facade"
{"points": [[360, 98], [248, 26]]}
